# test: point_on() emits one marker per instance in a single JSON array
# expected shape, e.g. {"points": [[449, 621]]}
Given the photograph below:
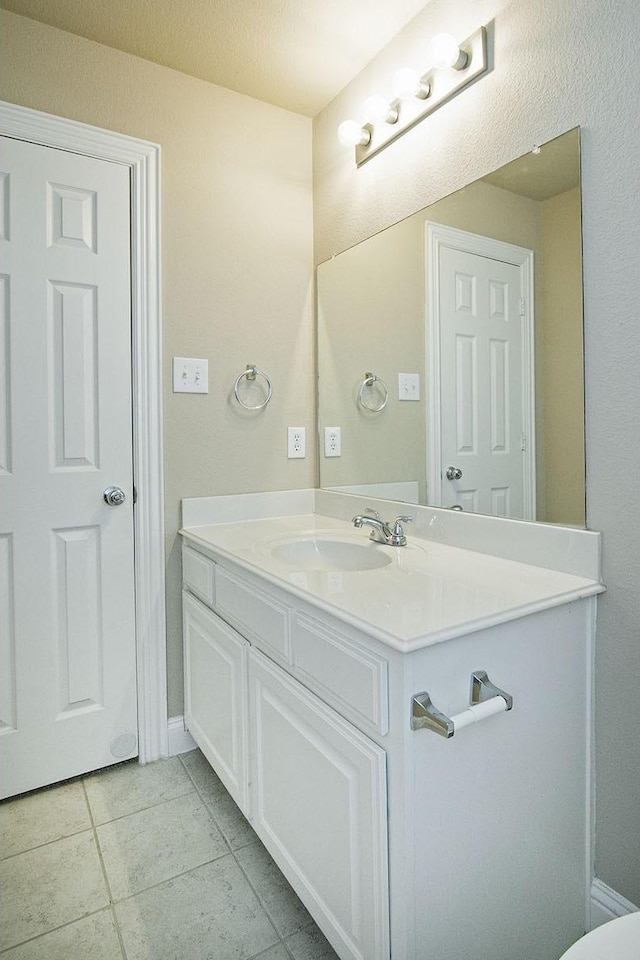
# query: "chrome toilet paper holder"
{"points": [[485, 699]]}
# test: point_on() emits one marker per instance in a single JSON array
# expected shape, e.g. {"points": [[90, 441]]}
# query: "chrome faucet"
{"points": [[390, 534]]}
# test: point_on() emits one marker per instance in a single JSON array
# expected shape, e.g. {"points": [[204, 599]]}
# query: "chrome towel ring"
{"points": [[250, 374], [367, 383]]}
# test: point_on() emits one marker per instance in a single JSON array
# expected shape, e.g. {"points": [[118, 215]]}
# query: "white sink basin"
{"points": [[320, 553]]}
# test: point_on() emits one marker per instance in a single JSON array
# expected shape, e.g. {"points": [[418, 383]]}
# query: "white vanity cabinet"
{"points": [[319, 803], [403, 845], [215, 662], [318, 785]]}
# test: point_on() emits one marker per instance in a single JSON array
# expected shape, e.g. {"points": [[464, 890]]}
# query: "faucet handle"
{"points": [[397, 523], [398, 538]]}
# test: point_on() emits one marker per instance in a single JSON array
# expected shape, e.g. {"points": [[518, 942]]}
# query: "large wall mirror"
{"points": [[450, 349]]}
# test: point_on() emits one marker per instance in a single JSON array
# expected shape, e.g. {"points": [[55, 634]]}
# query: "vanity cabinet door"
{"points": [[215, 661], [319, 804]]}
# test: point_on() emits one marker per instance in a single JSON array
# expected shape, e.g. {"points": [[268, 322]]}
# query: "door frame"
{"points": [[438, 236], [143, 160]]}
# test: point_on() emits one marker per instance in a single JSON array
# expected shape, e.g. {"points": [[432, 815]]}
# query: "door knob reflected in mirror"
{"points": [[114, 496], [453, 473]]}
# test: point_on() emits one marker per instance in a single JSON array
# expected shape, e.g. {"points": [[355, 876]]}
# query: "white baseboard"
{"points": [[180, 740], [607, 904]]}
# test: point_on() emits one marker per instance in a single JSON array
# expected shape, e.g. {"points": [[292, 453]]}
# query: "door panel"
{"points": [[8, 637], [481, 356], [69, 701], [5, 379], [73, 344]]}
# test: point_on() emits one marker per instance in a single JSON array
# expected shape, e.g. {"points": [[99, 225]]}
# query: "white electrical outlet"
{"points": [[295, 442], [332, 442], [190, 375], [408, 386]]}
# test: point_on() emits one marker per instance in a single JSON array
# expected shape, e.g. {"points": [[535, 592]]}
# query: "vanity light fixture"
{"points": [[379, 110], [407, 83], [445, 53], [453, 66], [352, 134]]}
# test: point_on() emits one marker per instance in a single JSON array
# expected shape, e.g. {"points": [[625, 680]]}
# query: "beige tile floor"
{"points": [[150, 862]]}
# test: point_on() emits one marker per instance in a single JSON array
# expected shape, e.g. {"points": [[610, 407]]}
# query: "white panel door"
{"points": [[481, 405], [318, 802], [67, 658]]}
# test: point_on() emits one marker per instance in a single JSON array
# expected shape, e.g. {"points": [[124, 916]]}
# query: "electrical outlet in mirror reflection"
{"points": [[332, 442]]}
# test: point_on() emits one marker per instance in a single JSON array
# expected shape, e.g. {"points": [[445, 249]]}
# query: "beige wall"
{"points": [[237, 260], [556, 64], [371, 318], [561, 317]]}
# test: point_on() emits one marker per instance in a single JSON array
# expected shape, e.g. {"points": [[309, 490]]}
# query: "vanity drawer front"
{"points": [[345, 675], [261, 619], [198, 575]]}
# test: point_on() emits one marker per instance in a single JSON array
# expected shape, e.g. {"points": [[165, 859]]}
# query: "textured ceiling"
{"points": [[296, 54]]}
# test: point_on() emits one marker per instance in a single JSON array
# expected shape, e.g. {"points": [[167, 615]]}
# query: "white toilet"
{"points": [[616, 940]]}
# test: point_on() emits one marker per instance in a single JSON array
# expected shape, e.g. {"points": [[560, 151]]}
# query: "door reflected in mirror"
{"points": [[466, 319]]}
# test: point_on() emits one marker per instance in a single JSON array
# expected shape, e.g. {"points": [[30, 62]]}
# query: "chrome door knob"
{"points": [[453, 473], [114, 496]]}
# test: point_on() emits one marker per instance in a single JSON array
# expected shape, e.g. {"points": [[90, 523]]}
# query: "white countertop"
{"points": [[427, 593]]}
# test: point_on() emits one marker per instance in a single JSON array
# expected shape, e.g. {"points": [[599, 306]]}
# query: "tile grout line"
{"points": [[259, 899], [206, 806], [176, 876], [256, 956], [42, 791], [150, 806], [47, 843], [203, 798], [74, 833], [233, 851], [68, 923], [114, 916], [238, 864], [159, 883]]}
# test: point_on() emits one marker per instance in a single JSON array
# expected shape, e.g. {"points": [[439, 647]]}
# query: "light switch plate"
{"points": [[190, 375], [408, 386]]}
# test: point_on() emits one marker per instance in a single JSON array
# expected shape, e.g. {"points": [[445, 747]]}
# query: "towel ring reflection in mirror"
{"points": [[250, 374], [370, 379]]}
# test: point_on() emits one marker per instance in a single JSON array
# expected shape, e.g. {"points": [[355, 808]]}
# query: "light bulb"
{"points": [[407, 84], [444, 52], [352, 134], [379, 110]]}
